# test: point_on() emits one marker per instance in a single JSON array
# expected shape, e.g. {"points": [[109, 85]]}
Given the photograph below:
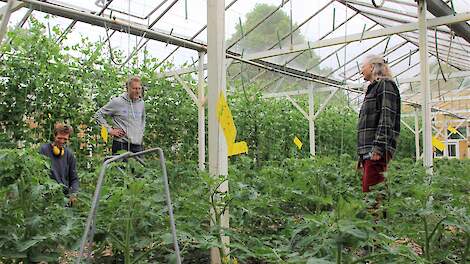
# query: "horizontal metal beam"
{"points": [[298, 92], [453, 121], [140, 30], [459, 74], [446, 112], [115, 24], [295, 71], [446, 20], [439, 9], [452, 75], [383, 8], [173, 73], [451, 99]]}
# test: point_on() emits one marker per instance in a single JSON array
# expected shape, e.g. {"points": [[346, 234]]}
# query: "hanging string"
{"points": [[386, 44], [451, 38], [111, 53], [437, 55], [186, 9], [291, 24]]}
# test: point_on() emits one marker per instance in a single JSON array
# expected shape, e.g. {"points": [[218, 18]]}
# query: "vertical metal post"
{"points": [[467, 136], [425, 84], [169, 205], [446, 138], [418, 154], [311, 122], [467, 130], [218, 161], [6, 17], [201, 125]]}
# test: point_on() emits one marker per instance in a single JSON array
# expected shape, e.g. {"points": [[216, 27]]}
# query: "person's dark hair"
{"points": [[61, 128]]}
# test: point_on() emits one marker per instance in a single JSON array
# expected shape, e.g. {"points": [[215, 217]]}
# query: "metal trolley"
{"points": [[90, 223]]}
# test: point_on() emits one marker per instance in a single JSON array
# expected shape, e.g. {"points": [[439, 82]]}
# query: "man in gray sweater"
{"points": [[128, 118], [63, 163]]}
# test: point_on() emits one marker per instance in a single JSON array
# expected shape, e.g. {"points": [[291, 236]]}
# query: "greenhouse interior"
{"points": [[237, 131]]}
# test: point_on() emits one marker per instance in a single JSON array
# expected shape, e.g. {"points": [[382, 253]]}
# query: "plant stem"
{"points": [[467, 249], [426, 233], [369, 257], [127, 253], [339, 248]]}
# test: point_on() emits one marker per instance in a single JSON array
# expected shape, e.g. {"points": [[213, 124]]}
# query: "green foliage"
{"points": [[56, 86], [290, 211], [284, 207], [270, 125], [35, 224], [263, 37], [44, 84], [265, 34]]}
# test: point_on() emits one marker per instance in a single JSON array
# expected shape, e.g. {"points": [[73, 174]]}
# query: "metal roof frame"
{"points": [[188, 42]]}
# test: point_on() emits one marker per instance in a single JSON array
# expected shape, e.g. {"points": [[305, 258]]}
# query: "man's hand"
{"points": [[117, 132], [375, 156], [72, 200]]}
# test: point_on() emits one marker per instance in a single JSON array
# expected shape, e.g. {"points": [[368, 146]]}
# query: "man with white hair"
{"points": [[379, 121]]}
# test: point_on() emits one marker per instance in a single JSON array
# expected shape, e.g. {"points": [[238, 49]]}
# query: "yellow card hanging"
{"points": [[104, 134], [438, 144], [225, 118], [297, 142], [452, 130]]}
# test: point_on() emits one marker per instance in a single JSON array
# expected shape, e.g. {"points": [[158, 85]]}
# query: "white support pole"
{"points": [[187, 89], [425, 84], [457, 127], [460, 123], [407, 126], [7, 10], [14, 6], [201, 125], [296, 105], [311, 123], [438, 131], [218, 161], [467, 136], [446, 138], [467, 130], [325, 103], [417, 134]]}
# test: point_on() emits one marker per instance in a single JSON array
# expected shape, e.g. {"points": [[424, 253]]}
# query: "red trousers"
{"points": [[372, 173]]}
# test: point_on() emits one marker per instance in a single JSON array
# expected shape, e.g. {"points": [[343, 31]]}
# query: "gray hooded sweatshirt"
{"points": [[126, 114]]}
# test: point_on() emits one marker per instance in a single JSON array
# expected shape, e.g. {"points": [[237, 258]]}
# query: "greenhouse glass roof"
{"points": [[174, 30]]}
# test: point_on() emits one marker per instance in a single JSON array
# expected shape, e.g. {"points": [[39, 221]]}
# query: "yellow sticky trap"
{"points": [[297, 142], [452, 130], [237, 148], [225, 118], [104, 134], [438, 144]]}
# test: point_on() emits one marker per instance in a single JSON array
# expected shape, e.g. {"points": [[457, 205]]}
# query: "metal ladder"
{"points": [[90, 223]]}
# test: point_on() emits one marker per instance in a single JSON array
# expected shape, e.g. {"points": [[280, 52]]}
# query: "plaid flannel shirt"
{"points": [[379, 119]]}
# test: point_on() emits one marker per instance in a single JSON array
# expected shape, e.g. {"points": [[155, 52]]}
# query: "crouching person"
{"points": [[63, 162]]}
